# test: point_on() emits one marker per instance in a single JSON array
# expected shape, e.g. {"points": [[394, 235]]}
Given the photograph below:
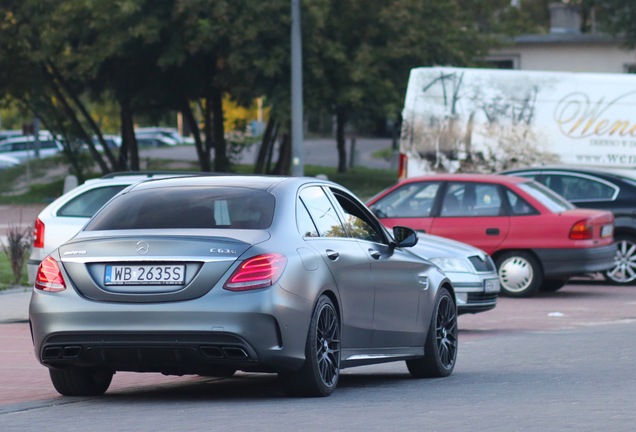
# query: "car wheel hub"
{"points": [[516, 274], [624, 270]]}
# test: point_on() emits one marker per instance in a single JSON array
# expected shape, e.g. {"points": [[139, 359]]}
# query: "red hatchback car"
{"points": [[537, 239]]}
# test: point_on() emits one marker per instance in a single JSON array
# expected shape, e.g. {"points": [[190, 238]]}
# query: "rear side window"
{"points": [[471, 199], [519, 206], [322, 212], [87, 204], [575, 188], [187, 207], [554, 202]]}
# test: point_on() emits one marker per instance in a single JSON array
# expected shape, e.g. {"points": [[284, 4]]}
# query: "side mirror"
{"points": [[404, 236]]}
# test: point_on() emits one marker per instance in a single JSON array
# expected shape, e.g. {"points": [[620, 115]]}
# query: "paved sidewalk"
{"points": [[14, 305]]}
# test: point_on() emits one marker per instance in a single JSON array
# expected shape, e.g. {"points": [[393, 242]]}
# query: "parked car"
{"points": [[171, 134], [537, 239], [613, 190], [8, 162], [12, 133], [471, 271], [208, 275], [64, 217], [23, 147]]}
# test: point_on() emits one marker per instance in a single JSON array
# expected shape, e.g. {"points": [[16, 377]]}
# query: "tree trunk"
{"points": [[207, 129], [129, 152], [75, 122], [341, 143], [85, 114], [204, 157], [284, 157], [269, 136], [221, 162]]}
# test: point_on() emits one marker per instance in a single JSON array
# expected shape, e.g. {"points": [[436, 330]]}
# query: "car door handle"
{"points": [[374, 254], [492, 231], [332, 254]]}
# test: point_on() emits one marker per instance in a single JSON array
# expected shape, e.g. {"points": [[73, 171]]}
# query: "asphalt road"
{"points": [[557, 362], [320, 152]]}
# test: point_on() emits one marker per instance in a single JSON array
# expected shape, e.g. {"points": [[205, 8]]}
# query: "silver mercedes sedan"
{"points": [[213, 274]]}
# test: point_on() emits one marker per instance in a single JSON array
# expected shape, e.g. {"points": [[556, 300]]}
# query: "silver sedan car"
{"points": [[210, 275], [471, 271]]}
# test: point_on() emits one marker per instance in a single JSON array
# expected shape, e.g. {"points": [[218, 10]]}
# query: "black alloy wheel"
{"points": [[440, 349], [624, 270], [321, 370]]}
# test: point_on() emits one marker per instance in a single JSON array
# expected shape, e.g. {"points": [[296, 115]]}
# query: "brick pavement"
{"points": [[24, 379]]}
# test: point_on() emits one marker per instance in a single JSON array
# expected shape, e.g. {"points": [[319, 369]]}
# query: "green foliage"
{"points": [[617, 17], [6, 273]]}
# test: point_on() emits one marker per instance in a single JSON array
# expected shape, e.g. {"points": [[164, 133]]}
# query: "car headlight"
{"points": [[450, 264]]}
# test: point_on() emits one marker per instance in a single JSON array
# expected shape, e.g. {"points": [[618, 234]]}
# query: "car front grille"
{"points": [[480, 297]]}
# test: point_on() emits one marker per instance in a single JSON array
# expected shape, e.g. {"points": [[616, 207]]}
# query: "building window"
{"points": [[502, 62]]}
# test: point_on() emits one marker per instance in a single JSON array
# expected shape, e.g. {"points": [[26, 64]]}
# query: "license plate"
{"points": [[607, 230], [144, 275]]}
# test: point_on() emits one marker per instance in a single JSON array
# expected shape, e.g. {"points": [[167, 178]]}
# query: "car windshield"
{"points": [[547, 197], [187, 207]]}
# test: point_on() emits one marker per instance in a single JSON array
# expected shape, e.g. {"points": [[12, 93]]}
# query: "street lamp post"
{"points": [[296, 92]]}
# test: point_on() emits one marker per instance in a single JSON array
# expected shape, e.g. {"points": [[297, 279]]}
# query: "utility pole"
{"points": [[296, 92]]}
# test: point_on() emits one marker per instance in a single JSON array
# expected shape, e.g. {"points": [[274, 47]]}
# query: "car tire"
{"points": [[624, 270], [440, 348], [552, 285], [319, 374], [519, 273], [79, 381]]}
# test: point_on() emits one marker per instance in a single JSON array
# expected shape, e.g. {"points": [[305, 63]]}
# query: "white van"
{"points": [[488, 120]]}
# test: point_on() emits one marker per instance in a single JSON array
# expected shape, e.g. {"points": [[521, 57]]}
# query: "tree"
{"points": [[358, 71], [617, 17]]}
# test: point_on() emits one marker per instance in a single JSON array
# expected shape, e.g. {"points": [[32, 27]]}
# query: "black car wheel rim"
{"points": [[446, 332], [624, 270], [328, 345]]}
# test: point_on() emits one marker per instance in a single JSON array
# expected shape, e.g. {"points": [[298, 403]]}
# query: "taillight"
{"points": [[38, 234], [582, 230], [260, 271], [49, 276]]}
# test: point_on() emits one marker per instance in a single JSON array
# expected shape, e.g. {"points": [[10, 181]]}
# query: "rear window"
{"points": [[182, 207], [87, 204], [554, 202]]}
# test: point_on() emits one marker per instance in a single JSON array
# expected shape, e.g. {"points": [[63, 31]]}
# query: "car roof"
{"points": [[603, 172], [251, 181], [491, 178]]}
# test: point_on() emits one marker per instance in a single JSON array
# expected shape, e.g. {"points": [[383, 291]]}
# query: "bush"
{"points": [[17, 250]]}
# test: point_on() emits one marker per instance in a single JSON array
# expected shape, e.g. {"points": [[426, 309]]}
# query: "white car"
{"points": [[65, 216], [8, 162], [23, 147], [471, 271]]}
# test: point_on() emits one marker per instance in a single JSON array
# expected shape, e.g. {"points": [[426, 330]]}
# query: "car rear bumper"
{"points": [[32, 269], [572, 262], [256, 332]]}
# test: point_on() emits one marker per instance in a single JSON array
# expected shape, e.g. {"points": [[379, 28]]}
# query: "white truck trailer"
{"points": [[487, 120]]}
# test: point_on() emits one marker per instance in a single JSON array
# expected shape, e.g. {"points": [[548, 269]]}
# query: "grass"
{"points": [[6, 275]]}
